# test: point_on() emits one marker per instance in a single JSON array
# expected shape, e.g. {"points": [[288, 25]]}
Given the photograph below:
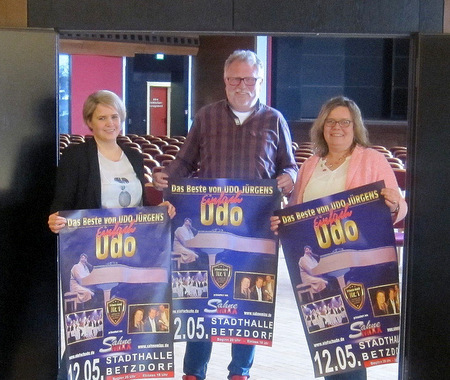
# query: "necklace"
{"points": [[333, 165]]}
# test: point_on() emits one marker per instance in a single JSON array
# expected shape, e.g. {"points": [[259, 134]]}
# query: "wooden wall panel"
{"points": [[13, 13]]}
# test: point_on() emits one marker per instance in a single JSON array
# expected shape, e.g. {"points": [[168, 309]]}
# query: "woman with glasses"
{"points": [[343, 161]]}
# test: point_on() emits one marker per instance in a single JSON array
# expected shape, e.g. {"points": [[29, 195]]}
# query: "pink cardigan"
{"points": [[366, 166]]}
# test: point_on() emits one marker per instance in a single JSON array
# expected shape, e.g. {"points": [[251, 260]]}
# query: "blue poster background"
{"points": [[234, 248], [114, 274], [341, 256]]}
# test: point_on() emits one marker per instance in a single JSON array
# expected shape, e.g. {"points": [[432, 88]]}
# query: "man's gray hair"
{"points": [[245, 56]]}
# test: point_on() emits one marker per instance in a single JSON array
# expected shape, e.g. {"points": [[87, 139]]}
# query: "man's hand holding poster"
{"points": [[114, 273], [341, 256], [224, 260]]}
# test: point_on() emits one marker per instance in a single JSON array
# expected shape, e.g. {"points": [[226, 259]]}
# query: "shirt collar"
{"points": [[255, 108], [252, 112]]}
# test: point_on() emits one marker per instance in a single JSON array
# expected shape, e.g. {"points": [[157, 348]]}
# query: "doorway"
{"points": [[158, 108]]}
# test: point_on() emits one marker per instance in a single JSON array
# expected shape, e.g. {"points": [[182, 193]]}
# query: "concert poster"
{"points": [[224, 260], [114, 268], [342, 261]]}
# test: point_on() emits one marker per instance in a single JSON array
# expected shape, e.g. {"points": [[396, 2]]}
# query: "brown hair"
{"points": [[361, 135]]}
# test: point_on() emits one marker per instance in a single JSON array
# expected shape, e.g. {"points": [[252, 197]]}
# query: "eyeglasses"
{"points": [[344, 123], [248, 81]]}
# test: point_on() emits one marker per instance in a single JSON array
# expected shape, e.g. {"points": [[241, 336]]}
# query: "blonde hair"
{"points": [[105, 97], [361, 135]]}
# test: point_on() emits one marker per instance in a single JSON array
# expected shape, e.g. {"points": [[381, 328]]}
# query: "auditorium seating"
{"points": [[76, 138], [131, 145], [395, 155], [160, 150], [146, 155], [148, 144], [179, 143], [394, 160], [396, 148], [169, 147], [123, 139], [164, 156], [159, 142], [402, 156], [151, 163], [400, 174], [168, 139], [303, 154], [152, 151], [305, 144]]}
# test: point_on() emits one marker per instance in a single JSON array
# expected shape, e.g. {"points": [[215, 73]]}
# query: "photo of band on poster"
{"points": [[342, 260], [224, 260]]}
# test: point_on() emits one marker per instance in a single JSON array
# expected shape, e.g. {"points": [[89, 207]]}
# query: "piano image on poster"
{"points": [[106, 277], [214, 242], [339, 262]]}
